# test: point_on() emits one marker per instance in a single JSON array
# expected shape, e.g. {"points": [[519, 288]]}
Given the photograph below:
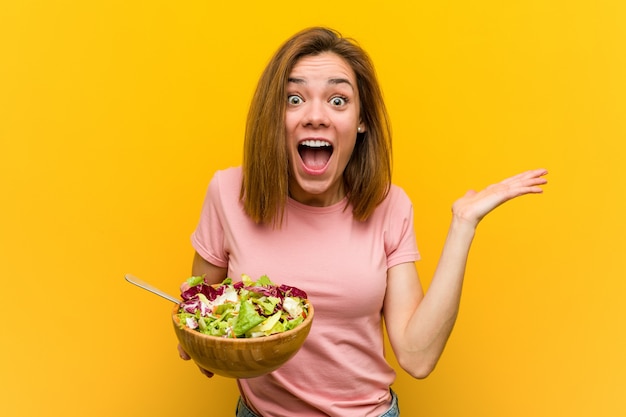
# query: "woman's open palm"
{"points": [[475, 205]]}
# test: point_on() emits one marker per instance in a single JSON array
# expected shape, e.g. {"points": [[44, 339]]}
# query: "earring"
{"points": [[358, 129]]}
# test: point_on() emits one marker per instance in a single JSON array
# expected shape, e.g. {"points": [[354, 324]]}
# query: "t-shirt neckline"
{"points": [[338, 206]]}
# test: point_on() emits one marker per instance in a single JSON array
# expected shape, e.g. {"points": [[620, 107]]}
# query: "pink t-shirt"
{"points": [[342, 265]]}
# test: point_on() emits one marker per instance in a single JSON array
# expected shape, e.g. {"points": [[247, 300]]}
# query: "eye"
{"points": [[339, 101], [294, 100]]}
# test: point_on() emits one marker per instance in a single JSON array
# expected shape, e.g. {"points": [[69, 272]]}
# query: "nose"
{"points": [[316, 114]]}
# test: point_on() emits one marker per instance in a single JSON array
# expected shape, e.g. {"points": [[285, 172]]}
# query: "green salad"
{"points": [[242, 309]]}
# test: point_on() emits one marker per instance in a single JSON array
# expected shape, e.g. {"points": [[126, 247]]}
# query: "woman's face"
{"points": [[321, 124]]}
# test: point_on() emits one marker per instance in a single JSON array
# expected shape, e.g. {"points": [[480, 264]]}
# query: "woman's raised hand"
{"points": [[475, 205]]}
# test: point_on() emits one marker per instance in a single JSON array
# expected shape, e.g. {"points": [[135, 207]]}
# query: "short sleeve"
{"points": [[208, 237], [400, 242]]}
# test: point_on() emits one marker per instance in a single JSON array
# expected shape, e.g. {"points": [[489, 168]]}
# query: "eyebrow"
{"points": [[333, 81]]}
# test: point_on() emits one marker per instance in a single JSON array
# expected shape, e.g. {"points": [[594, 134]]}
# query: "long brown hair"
{"points": [[367, 176]]}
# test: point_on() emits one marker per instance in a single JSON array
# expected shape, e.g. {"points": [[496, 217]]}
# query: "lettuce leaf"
{"points": [[246, 319]]}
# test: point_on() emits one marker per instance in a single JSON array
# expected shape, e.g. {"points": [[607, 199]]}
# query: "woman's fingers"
{"points": [[183, 355], [528, 178], [206, 373], [528, 182]]}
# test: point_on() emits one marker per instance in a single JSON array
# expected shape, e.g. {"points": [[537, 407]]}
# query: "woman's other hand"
{"points": [[475, 205]]}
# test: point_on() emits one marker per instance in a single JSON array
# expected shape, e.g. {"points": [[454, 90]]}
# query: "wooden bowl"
{"points": [[242, 357]]}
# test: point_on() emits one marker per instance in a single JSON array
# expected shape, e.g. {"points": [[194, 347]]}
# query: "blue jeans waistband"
{"points": [[394, 410]]}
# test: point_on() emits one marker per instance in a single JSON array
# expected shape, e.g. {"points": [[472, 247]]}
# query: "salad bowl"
{"points": [[242, 357]]}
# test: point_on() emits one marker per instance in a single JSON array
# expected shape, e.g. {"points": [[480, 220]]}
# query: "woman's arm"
{"points": [[212, 274], [419, 325]]}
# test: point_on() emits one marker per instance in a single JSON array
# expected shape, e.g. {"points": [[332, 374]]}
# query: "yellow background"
{"points": [[115, 114]]}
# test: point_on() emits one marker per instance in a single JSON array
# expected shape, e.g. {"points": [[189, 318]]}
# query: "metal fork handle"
{"points": [[134, 280]]}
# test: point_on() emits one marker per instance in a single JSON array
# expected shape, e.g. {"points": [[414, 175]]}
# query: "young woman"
{"points": [[313, 206]]}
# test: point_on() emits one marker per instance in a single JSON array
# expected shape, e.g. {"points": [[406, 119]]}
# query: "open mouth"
{"points": [[315, 153]]}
